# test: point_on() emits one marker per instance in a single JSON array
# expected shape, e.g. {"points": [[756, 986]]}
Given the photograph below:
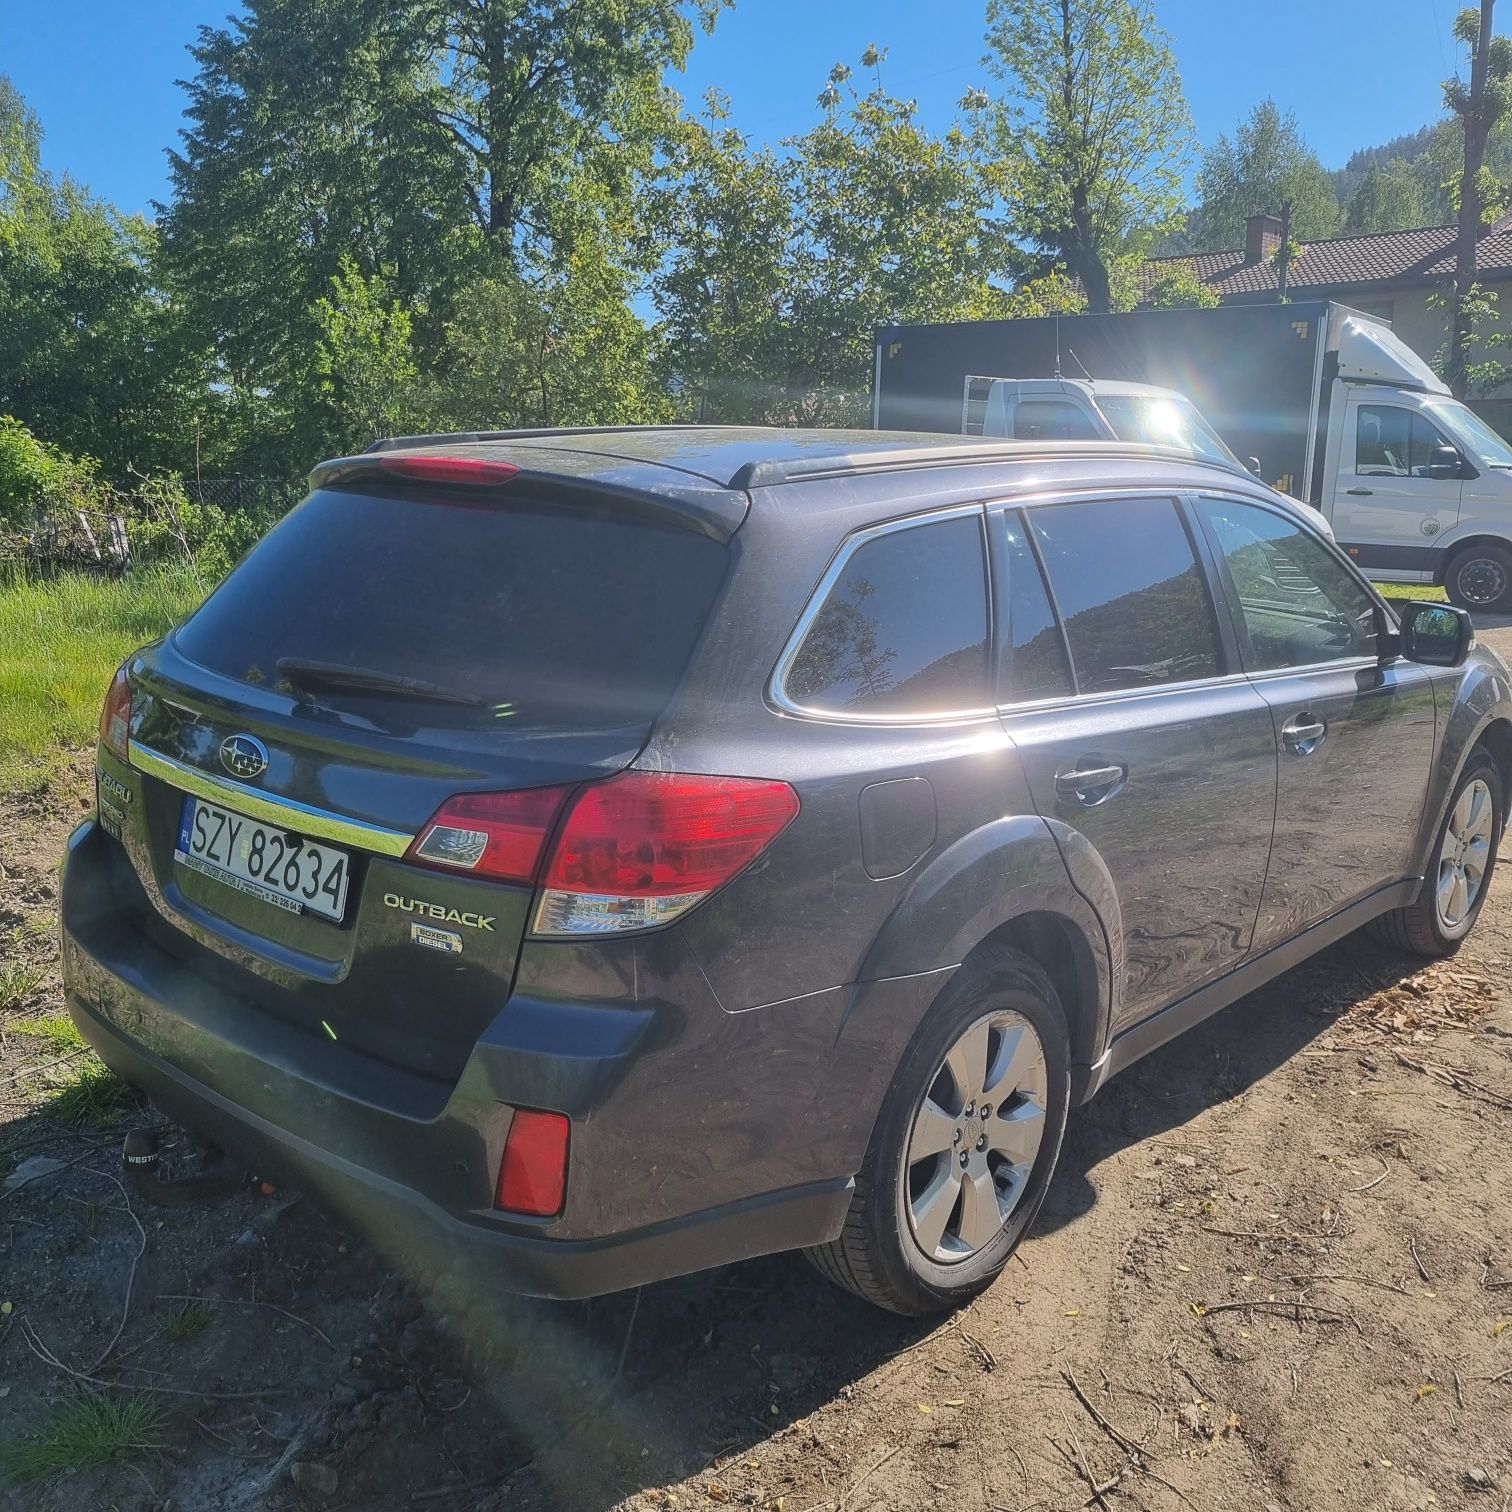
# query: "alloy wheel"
{"points": [[975, 1137], [1465, 853]]}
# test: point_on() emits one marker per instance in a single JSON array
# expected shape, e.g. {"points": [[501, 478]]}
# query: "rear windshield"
{"points": [[529, 614]]}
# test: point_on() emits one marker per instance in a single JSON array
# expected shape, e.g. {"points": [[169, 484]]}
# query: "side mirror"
{"points": [[1443, 462], [1436, 634], [1253, 463]]}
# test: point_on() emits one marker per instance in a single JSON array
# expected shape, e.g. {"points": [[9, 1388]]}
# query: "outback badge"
{"points": [[439, 911], [436, 939]]}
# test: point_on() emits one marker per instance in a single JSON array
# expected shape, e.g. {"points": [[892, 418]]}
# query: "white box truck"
{"points": [[1324, 401]]}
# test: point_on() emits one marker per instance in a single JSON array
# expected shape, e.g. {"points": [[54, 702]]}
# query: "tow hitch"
{"points": [[141, 1156]]}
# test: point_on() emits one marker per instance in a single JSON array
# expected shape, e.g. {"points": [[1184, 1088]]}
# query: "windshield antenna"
{"points": [[1071, 353]]}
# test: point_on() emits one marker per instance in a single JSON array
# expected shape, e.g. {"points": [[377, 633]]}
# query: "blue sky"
{"points": [[101, 73]]}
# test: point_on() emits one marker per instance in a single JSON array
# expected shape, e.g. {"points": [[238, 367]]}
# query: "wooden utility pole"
{"points": [[1283, 252], [1477, 121]]}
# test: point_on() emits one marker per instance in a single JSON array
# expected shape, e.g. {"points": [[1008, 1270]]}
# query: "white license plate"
{"points": [[281, 868]]}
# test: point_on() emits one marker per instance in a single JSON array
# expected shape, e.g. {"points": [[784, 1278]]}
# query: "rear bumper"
{"points": [[412, 1172], [426, 1241]]}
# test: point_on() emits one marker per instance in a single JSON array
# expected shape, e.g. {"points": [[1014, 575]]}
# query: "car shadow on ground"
{"points": [[637, 1390]]}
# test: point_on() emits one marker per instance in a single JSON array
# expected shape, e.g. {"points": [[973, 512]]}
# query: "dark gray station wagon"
{"points": [[592, 856]]}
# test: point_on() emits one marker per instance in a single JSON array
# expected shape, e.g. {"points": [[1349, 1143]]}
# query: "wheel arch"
{"points": [[1497, 739], [1057, 944], [1490, 729], [1015, 881], [1452, 550]]}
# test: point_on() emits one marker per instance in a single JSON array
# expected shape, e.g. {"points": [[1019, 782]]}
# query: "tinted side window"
{"points": [[1298, 604], [1035, 666], [1051, 420], [903, 630], [1134, 600]]}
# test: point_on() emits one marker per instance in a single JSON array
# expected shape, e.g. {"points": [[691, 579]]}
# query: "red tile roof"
{"points": [[1386, 258]]}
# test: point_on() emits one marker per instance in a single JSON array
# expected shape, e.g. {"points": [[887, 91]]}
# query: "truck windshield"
{"points": [[1163, 420], [1484, 442]]}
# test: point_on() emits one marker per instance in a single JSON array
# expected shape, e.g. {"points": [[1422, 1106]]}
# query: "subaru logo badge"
{"points": [[244, 756]]}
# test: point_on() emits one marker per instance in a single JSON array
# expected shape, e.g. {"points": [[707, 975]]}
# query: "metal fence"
{"points": [[242, 493], [103, 537]]}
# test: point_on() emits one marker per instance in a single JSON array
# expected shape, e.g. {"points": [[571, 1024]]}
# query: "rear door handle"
{"points": [[1090, 785], [1360, 491], [1304, 733]]}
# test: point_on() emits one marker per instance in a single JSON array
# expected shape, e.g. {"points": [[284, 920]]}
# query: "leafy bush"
{"points": [[1177, 286], [164, 524], [56, 512], [35, 476]]}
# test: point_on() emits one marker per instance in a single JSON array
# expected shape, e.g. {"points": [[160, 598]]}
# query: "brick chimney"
{"points": [[1262, 236]]}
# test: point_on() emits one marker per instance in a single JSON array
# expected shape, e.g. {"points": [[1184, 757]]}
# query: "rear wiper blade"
{"points": [[302, 673]]}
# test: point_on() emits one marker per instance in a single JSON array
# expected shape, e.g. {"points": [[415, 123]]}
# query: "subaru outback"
{"points": [[598, 855]]}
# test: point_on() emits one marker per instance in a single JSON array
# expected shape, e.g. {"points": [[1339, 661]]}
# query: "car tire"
{"points": [[1479, 578], [1428, 927], [880, 1254]]}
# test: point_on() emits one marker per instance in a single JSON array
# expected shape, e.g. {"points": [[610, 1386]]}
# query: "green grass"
{"points": [[83, 1431], [93, 1097], [17, 983], [56, 1028], [185, 1323], [60, 639], [85, 1092], [1425, 592]]}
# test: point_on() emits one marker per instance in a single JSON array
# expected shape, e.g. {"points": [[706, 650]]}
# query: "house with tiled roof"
{"points": [[1388, 273]]}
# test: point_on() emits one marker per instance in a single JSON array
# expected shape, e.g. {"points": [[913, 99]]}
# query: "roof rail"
{"points": [[464, 438], [769, 474]]}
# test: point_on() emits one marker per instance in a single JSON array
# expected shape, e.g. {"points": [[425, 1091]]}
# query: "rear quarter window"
{"points": [[538, 613], [902, 629]]}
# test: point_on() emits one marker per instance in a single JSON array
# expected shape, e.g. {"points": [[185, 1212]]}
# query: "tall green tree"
{"points": [[366, 361], [20, 145], [1391, 197], [893, 224], [92, 357], [1477, 108], [779, 266], [1263, 165], [308, 143], [530, 86], [725, 215], [1094, 128], [562, 347], [423, 142]]}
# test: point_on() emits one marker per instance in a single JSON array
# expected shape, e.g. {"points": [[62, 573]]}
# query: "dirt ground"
{"points": [[1275, 1271]]}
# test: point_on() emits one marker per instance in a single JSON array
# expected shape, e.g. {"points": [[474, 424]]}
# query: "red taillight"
{"points": [[471, 471], [644, 847], [533, 1172], [115, 717], [634, 851], [496, 835]]}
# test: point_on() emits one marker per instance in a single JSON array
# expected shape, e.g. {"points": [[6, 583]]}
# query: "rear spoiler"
{"points": [[679, 505]]}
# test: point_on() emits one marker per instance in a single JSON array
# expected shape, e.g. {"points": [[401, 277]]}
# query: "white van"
{"points": [[1324, 402]]}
